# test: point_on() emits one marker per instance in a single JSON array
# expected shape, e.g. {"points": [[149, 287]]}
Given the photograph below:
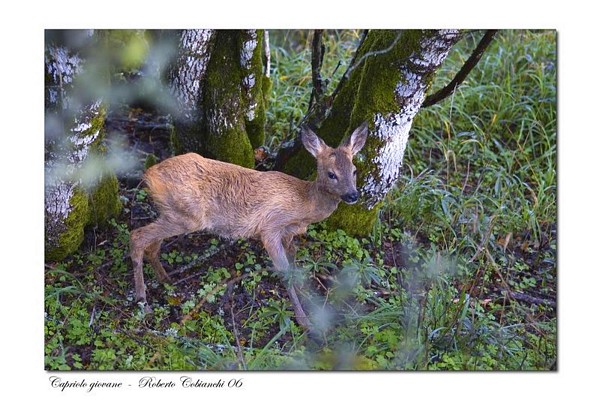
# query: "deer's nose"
{"points": [[351, 197]]}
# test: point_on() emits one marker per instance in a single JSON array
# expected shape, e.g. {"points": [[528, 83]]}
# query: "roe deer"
{"points": [[194, 193]]}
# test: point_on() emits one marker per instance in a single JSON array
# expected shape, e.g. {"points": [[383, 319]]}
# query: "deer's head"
{"points": [[336, 174]]}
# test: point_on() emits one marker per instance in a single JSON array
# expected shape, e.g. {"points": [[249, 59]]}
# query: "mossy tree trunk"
{"points": [[386, 86], [186, 80], [73, 199], [218, 80]]}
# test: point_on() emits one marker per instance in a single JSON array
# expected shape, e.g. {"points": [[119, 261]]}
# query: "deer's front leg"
{"points": [[283, 260], [290, 249]]}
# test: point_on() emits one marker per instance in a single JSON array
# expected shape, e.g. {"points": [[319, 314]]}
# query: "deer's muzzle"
{"points": [[351, 197]]}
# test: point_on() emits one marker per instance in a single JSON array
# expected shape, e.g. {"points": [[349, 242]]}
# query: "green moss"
{"points": [[232, 148], [95, 199], [301, 165], [255, 128], [175, 142], [267, 86], [98, 146], [85, 209], [151, 160], [231, 121], [92, 205], [104, 201], [353, 219], [381, 74], [72, 230], [186, 137], [224, 137]]}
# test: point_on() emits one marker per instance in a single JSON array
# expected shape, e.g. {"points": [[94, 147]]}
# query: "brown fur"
{"points": [[194, 193]]}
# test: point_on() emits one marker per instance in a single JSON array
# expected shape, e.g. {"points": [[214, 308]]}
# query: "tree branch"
{"points": [[267, 54], [350, 66], [464, 71], [318, 49]]}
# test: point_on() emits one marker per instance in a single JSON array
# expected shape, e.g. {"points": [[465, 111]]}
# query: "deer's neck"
{"points": [[323, 203]]}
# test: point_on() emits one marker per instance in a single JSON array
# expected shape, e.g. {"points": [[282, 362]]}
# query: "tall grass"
{"points": [[494, 142]]}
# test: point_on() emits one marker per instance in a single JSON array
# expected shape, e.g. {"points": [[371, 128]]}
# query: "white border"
{"points": [[22, 185]]}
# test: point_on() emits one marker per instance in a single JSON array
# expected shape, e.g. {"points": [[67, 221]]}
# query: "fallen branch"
{"points": [[529, 299]]}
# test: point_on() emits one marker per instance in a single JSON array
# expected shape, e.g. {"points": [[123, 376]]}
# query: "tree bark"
{"points": [[219, 82], [386, 86], [74, 137], [253, 74], [186, 80]]}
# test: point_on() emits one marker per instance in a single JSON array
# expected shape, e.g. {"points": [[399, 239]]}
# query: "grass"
{"points": [[458, 274]]}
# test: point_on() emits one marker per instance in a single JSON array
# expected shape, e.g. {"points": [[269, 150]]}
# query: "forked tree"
{"points": [[221, 80]]}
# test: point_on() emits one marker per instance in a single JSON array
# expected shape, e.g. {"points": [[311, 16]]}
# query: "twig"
{"points": [[350, 66], [339, 64], [239, 352], [529, 299], [464, 71], [484, 240]]}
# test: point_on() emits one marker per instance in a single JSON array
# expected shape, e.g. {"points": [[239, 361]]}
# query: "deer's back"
{"points": [[225, 198]]}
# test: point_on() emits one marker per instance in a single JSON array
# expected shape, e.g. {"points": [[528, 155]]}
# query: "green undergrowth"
{"points": [[458, 274]]}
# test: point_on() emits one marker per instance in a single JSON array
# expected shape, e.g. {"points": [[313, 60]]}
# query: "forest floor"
{"points": [[206, 272], [149, 134]]}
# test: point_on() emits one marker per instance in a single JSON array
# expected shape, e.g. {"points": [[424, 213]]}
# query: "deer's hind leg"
{"points": [[152, 254], [146, 241]]}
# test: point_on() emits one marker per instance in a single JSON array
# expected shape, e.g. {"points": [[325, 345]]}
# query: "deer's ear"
{"points": [[357, 140], [311, 141]]}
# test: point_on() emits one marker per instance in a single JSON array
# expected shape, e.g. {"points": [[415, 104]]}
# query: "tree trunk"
{"points": [[74, 137], [386, 86], [186, 80], [219, 80]]}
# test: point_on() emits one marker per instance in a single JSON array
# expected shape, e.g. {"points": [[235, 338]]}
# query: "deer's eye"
{"points": [[331, 175], [354, 173]]}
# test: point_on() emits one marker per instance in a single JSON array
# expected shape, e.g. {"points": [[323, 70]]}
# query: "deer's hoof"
{"points": [[143, 304], [304, 322]]}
